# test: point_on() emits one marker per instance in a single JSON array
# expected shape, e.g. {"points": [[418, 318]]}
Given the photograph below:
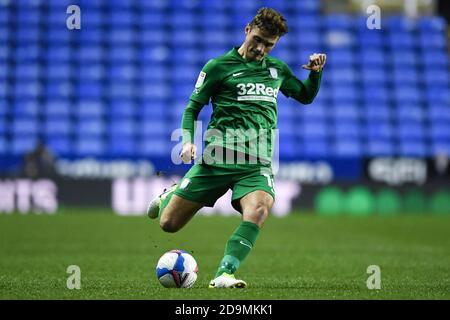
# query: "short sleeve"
{"points": [[207, 83]]}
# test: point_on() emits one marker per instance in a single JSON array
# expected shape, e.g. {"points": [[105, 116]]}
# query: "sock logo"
{"points": [[245, 244]]}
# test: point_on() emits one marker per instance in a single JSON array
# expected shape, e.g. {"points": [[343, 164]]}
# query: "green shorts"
{"points": [[205, 184]]}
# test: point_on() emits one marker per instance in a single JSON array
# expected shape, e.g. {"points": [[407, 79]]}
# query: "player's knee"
{"points": [[168, 225], [257, 213]]}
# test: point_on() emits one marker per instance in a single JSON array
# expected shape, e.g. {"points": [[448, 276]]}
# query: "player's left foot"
{"points": [[153, 207], [227, 280]]}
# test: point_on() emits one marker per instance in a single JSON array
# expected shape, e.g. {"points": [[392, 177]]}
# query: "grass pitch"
{"points": [[301, 256]]}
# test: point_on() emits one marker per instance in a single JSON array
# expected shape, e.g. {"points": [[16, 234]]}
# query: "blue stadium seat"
{"points": [[314, 129], [436, 77], [121, 89], [337, 21], [372, 58], [405, 76], [440, 130], [92, 19], [122, 36], [435, 59], [153, 128], [59, 89], [441, 147], [288, 147], [348, 148], [22, 144], [408, 94], [26, 108], [28, 52], [404, 58], [58, 107], [3, 144], [377, 111], [122, 147], [60, 145], [4, 17], [346, 129], [59, 71], [90, 90], [25, 126], [154, 110], [437, 112], [376, 94], [408, 130], [153, 147], [345, 111], [93, 127], [412, 148], [151, 38], [379, 130], [410, 112], [26, 71], [315, 148], [380, 147], [401, 40], [341, 93], [90, 109], [93, 35], [433, 41], [122, 18], [429, 25], [89, 146], [3, 126], [438, 95], [123, 127], [124, 54], [58, 126], [122, 109], [369, 39]]}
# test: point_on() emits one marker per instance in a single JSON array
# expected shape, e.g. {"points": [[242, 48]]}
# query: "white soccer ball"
{"points": [[177, 269]]}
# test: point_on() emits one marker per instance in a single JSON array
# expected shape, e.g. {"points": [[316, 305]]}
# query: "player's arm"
{"points": [[205, 88], [190, 115], [305, 91]]}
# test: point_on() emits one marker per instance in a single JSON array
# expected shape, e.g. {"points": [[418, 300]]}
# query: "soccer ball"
{"points": [[177, 269]]}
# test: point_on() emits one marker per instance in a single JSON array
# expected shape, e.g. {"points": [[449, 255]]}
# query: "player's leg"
{"points": [[201, 186], [253, 196], [177, 212]]}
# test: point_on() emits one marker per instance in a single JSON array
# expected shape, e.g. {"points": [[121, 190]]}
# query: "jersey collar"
{"points": [[261, 63]]}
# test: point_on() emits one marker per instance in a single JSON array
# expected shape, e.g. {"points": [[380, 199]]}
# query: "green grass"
{"points": [[301, 256]]}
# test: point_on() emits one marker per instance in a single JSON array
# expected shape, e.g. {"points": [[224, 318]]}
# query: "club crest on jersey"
{"points": [[273, 73]]}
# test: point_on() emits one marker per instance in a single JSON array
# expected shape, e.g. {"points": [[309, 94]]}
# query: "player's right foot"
{"points": [[155, 204], [227, 280]]}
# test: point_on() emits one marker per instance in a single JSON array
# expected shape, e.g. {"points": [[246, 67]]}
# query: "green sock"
{"points": [[238, 247]]}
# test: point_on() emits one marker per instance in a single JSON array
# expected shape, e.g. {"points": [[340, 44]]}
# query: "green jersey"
{"points": [[244, 100]]}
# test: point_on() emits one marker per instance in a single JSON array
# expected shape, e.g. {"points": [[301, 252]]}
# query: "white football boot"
{"points": [[227, 280], [153, 207]]}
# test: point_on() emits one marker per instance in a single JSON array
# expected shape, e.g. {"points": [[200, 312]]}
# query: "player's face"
{"points": [[257, 43]]}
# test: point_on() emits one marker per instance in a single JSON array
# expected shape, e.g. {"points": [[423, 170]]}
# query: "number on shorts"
{"points": [[270, 181]]}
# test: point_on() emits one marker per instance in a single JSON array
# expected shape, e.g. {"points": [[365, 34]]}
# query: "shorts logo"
{"points": [[273, 73], [184, 183], [200, 79]]}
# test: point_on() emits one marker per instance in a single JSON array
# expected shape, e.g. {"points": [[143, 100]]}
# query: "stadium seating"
{"points": [[118, 86]]}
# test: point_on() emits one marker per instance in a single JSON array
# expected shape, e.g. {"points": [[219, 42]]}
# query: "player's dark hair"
{"points": [[270, 21]]}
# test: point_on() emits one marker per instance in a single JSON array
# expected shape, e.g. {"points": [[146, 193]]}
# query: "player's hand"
{"points": [[188, 153], [316, 62]]}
